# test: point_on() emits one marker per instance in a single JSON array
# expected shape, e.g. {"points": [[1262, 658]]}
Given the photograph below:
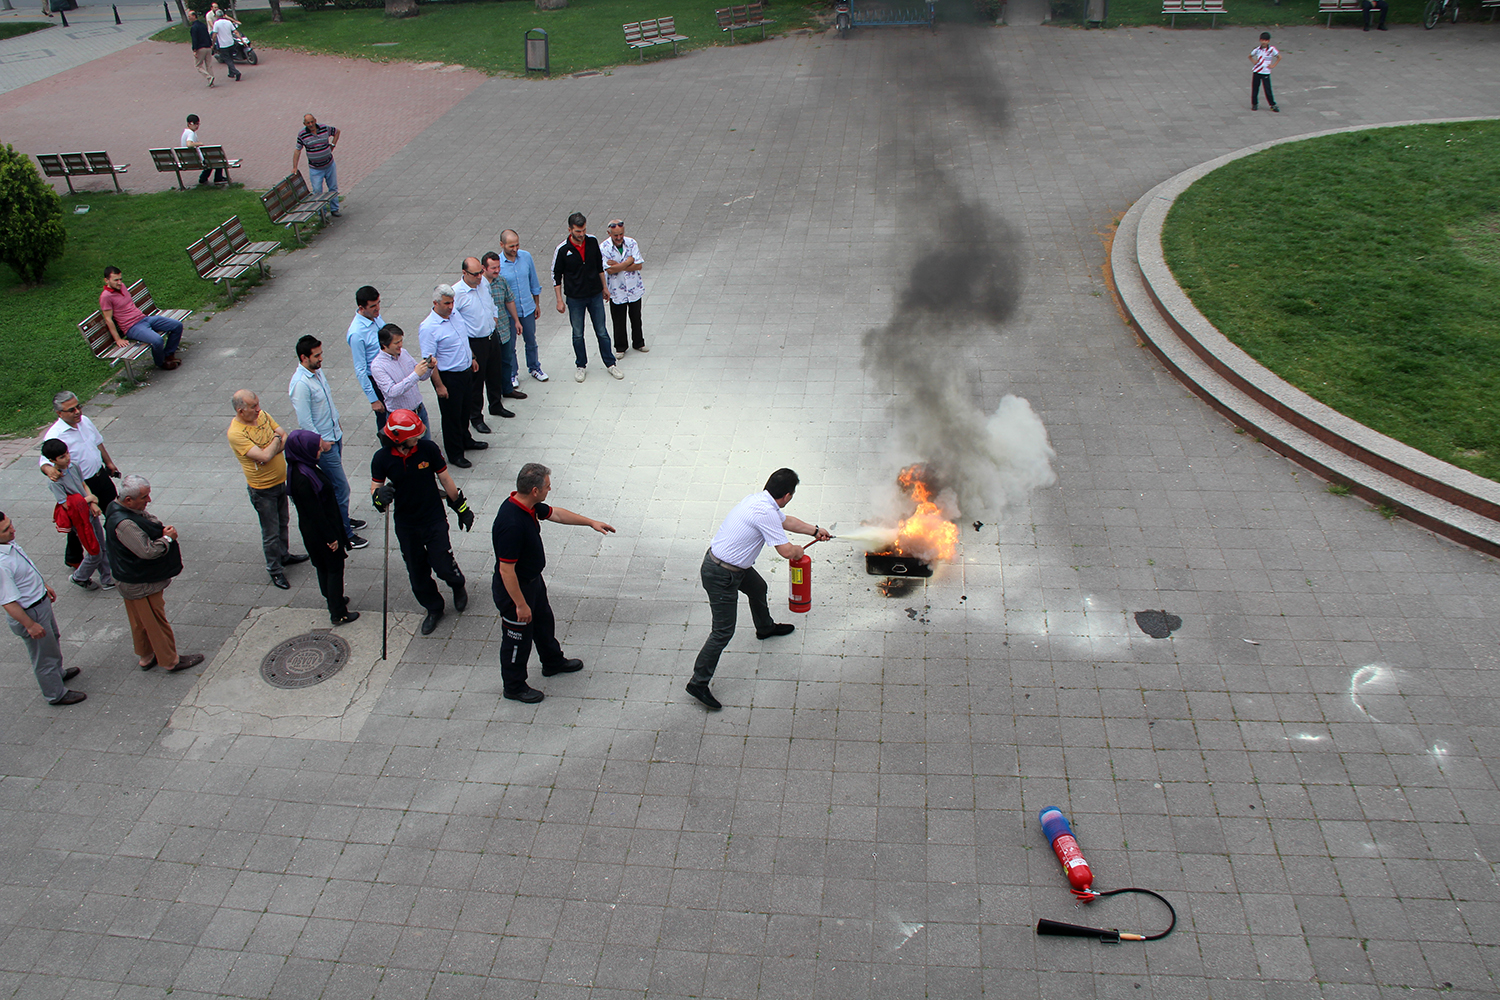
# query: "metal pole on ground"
{"points": [[385, 592], [116, 8], [166, 10]]}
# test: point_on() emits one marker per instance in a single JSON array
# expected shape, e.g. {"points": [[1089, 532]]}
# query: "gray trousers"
{"points": [[275, 523], [724, 588], [46, 652], [97, 561]]}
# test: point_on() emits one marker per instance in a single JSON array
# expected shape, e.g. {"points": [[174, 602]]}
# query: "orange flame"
{"points": [[926, 534]]}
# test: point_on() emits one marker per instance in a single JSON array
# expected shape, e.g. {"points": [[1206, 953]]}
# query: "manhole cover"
{"points": [[305, 660]]}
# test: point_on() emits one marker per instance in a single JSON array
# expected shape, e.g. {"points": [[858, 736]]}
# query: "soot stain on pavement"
{"points": [[1158, 624]]}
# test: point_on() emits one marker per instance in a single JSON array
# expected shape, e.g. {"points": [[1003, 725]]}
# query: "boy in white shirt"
{"points": [[1263, 58]]}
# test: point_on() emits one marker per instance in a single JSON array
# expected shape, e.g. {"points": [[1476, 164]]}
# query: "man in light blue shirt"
{"points": [[28, 601], [364, 344], [444, 339], [316, 412], [517, 268]]}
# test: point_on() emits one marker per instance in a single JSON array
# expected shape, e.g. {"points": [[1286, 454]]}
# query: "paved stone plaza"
{"points": [[1304, 767]]}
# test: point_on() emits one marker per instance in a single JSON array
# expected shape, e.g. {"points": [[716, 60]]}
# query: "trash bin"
{"points": [[537, 56]]}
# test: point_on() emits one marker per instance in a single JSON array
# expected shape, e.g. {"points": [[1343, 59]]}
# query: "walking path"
{"points": [[1304, 767]]}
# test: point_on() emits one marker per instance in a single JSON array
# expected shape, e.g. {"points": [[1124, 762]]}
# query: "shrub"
{"points": [[31, 227]]}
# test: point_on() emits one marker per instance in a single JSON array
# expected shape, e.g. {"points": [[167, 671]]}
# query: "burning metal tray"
{"points": [[887, 564]]}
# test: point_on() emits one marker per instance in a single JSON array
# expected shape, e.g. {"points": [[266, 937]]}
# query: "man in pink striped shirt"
{"points": [[125, 321]]}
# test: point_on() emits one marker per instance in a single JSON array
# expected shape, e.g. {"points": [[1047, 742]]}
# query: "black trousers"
{"points": [[483, 350], [427, 550], [1256, 80], [517, 638], [455, 411], [618, 311], [331, 582], [1367, 6]]}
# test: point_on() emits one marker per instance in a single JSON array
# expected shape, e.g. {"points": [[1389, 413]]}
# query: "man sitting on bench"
{"points": [[126, 322]]}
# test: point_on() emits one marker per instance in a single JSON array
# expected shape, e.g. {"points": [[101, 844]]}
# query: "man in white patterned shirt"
{"points": [[622, 273]]}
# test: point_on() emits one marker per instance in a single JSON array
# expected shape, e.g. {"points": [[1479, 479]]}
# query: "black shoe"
{"points": [[505, 413], [84, 584], [780, 628], [70, 673], [1276, 109], [186, 661], [476, 445], [71, 698], [565, 667], [529, 695], [480, 426], [280, 581], [514, 394], [356, 542], [460, 598], [295, 558], [147, 666], [355, 523], [430, 622], [462, 463], [346, 618], [703, 694]]}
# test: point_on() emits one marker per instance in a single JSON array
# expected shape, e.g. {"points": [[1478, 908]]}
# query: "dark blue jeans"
{"points": [[149, 332], [595, 309], [724, 589]]}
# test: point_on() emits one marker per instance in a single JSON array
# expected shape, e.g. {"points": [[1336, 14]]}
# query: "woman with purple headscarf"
{"points": [[319, 518]]}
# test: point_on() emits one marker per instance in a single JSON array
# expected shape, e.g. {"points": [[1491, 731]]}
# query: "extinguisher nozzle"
{"points": [[1060, 929]]}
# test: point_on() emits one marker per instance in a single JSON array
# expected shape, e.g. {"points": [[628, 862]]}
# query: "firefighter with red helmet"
{"points": [[408, 474]]}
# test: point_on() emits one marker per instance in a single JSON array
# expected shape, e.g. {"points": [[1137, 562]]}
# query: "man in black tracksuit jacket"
{"points": [[578, 273]]}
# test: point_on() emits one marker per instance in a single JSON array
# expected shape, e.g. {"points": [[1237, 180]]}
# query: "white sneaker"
{"points": [[613, 370], [580, 374], [538, 374]]}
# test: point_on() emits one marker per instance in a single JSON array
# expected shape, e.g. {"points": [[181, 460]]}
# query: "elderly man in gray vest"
{"points": [[145, 557]]}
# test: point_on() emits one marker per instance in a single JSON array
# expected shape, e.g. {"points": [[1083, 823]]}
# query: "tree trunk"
{"points": [[401, 8], [275, 11]]}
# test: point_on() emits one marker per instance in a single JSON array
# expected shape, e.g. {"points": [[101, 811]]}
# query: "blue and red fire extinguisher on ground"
{"points": [[1081, 879]]}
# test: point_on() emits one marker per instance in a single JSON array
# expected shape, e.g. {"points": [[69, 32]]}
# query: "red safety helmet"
{"points": [[403, 425]]}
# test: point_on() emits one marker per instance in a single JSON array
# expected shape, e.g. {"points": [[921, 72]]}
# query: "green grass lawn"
{"points": [[146, 236], [1251, 12], [489, 36], [11, 29], [1365, 270]]}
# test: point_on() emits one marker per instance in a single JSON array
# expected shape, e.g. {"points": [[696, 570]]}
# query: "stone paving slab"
{"points": [[1318, 801]]}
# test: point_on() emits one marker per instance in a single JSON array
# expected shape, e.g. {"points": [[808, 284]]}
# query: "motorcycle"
{"points": [[841, 19], [242, 50]]}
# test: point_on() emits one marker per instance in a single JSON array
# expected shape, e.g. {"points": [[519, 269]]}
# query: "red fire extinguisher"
{"points": [[801, 585]]}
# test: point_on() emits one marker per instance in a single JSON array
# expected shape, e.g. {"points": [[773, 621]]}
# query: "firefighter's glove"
{"points": [[382, 497], [460, 506]]}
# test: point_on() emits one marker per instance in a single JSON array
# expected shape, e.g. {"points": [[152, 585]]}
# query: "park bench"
{"points": [[1493, 6], [215, 261], [97, 335], [881, 15], [191, 158], [643, 35], [290, 204], [71, 165], [1332, 7], [732, 19], [240, 243], [226, 254], [1210, 7]]}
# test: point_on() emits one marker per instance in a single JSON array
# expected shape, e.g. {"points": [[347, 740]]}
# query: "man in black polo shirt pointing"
{"points": [[518, 588]]}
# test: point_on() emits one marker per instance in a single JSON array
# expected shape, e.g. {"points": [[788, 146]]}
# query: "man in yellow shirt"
{"points": [[257, 441]]}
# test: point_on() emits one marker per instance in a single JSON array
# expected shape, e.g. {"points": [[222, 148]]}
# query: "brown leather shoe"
{"points": [[185, 662]]}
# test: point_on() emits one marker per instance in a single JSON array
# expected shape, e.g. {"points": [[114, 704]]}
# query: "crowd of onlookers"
{"points": [[467, 347]]}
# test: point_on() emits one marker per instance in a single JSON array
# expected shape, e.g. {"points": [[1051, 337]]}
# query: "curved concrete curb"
{"points": [[1439, 496]]}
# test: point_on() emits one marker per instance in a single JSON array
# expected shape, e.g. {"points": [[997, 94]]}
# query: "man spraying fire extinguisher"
{"points": [[729, 570]]}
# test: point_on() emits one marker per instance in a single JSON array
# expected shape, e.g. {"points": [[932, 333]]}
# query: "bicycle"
{"points": [[1435, 11]]}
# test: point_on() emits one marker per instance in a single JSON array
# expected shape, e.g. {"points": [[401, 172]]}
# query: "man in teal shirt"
{"points": [[364, 344]]}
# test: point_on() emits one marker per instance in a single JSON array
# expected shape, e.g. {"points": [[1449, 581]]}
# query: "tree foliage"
{"points": [[31, 227]]}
